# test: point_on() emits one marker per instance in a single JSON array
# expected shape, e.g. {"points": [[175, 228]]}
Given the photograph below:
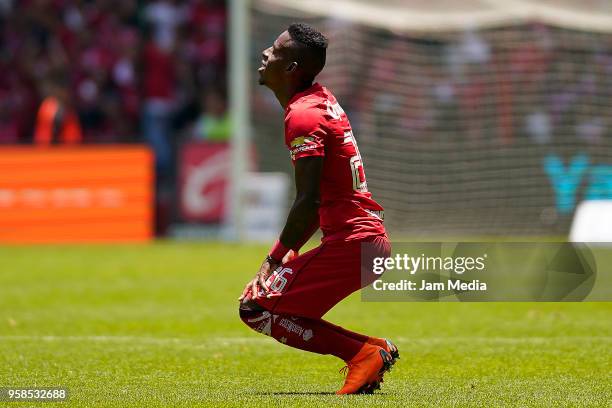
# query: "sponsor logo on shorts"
{"points": [[291, 327]]}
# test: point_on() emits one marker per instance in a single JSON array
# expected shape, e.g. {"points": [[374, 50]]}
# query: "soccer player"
{"points": [[290, 293]]}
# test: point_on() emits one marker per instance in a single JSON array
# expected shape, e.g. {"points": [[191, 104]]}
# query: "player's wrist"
{"points": [[278, 252], [271, 260]]}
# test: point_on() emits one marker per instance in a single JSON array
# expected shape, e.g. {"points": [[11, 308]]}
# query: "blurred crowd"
{"points": [[534, 82], [113, 71], [529, 83]]}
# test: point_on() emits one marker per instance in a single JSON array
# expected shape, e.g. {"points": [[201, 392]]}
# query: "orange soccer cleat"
{"points": [[390, 348], [365, 369], [387, 345]]}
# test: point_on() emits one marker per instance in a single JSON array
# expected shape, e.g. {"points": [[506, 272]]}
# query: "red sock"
{"points": [[316, 336], [353, 335]]}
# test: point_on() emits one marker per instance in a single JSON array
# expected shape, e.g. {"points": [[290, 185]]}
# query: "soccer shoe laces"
{"points": [[344, 370]]}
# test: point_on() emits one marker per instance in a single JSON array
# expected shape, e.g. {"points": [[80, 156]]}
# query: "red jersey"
{"points": [[316, 125]]}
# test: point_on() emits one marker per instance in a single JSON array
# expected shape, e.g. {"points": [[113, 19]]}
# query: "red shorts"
{"points": [[317, 280]]}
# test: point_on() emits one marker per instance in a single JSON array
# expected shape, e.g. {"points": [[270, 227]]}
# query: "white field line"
{"points": [[231, 341], [137, 339]]}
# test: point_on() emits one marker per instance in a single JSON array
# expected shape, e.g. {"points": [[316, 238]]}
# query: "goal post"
{"points": [[239, 65]]}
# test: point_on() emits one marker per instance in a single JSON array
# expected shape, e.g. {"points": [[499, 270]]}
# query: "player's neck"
{"points": [[285, 95]]}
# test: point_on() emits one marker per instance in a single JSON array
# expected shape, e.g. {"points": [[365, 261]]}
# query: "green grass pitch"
{"points": [[157, 326]]}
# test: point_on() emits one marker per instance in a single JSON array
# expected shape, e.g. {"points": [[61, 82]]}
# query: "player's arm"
{"points": [[304, 214], [305, 137], [303, 218], [307, 235], [305, 140]]}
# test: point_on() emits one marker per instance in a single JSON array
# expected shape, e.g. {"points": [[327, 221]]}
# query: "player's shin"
{"points": [[305, 334]]}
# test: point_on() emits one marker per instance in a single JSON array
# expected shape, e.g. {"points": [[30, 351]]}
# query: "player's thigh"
{"points": [[311, 284], [282, 282]]}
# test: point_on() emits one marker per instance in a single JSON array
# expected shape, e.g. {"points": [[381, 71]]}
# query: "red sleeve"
{"points": [[304, 133]]}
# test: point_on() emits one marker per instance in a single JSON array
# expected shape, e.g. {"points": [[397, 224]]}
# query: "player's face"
{"points": [[275, 64]]}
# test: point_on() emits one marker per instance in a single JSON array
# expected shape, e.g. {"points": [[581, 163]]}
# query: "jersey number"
{"points": [[278, 279], [359, 180]]}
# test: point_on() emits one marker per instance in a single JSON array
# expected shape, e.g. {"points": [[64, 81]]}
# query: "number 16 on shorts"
{"points": [[277, 281]]}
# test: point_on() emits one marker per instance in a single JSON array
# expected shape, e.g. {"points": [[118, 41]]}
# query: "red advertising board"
{"points": [[204, 179]]}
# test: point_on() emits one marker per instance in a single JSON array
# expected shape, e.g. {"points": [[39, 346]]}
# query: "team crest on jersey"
{"points": [[298, 141]]}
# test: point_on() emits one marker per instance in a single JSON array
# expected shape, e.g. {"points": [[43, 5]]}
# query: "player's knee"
{"points": [[254, 316], [249, 309]]}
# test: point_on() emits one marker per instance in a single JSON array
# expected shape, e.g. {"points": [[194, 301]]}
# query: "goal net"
{"points": [[485, 120]]}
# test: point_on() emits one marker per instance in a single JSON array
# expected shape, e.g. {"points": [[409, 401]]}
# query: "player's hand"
{"points": [[252, 287], [259, 281], [290, 256]]}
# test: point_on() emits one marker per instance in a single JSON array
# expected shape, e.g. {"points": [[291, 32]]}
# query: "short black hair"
{"points": [[311, 48]]}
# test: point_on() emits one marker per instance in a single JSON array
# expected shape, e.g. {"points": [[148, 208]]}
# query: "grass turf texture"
{"points": [[157, 325]]}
